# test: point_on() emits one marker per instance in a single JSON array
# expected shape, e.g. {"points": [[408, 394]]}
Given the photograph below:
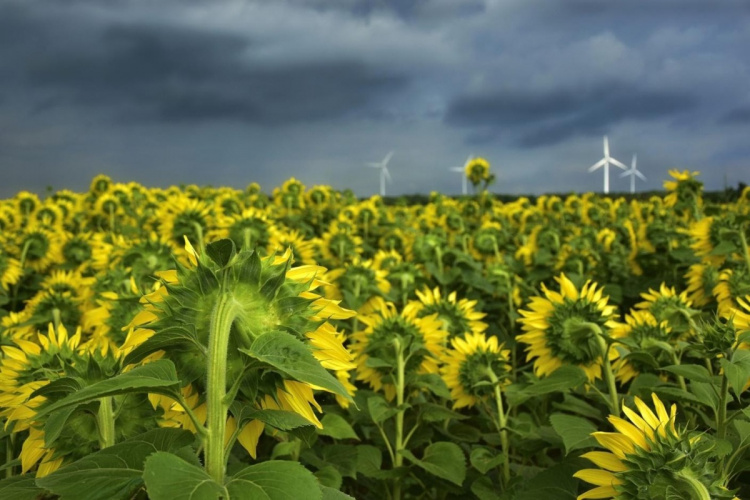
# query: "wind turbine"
{"points": [[464, 182], [632, 173], [384, 174], [604, 162]]}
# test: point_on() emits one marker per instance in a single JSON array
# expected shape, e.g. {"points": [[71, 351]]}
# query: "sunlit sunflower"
{"points": [[38, 248], [649, 458], [228, 204], [561, 328], [386, 260], [339, 245], [466, 365], [50, 215], [642, 333], [684, 192], [27, 203], [459, 317], [76, 250], [291, 195], [732, 284], [248, 228], [701, 280], [489, 242], [100, 184], [357, 284], [377, 341], [281, 240], [477, 170], [182, 218]]}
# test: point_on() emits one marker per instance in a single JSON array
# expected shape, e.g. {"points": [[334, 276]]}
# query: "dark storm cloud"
{"points": [[405, 9], [548, 117], [737, 116], [169, 73]]}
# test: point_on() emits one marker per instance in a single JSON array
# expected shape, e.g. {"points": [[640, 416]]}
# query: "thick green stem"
{"points": [[609, 376], [721, 417], [502, 421], [698, 489], [199, 232], [105, 419], [680, 378], [400, 393], [216, 415]]}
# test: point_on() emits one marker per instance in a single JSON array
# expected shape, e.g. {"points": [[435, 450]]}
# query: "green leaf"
{"points": [[484, 489], [158, 377], [329, 476], [379, 409], [705, 394], [737, 370], [369, 460], [435, 384], [293, 358], [274, 480], [332, 494], [442, 459], [20, 488], [168, 477], [278, 419], [431, 412], [341, 456], [113, 473], [564, 378], [221, 251], [574, 431], [337, 427], [743, 431], [555, 482], [167, 339], [691, 372], [55, 424], [484, 460]]}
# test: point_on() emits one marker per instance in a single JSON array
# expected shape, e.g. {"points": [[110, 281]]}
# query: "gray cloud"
{"points": [[737, 116], [538, 118]]}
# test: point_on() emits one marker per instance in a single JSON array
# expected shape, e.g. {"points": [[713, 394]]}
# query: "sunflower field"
{"points": [[212, 343]]}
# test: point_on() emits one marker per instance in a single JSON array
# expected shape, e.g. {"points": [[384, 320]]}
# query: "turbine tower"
{"points": [[384, 174], [632, 173], [604, 162], [464, 182]]}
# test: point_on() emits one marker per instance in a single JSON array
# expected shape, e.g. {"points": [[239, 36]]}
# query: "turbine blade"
{"points": [[617, 163], [374, 165], [635, 159], [387, 174], [625, 174], [387, 158], [639, 174], [606, 146], [598, 164]]}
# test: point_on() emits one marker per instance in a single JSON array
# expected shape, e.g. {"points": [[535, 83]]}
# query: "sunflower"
{"points": [[477, 171], [562, 328], [459, 317], [642, 333], [358, 283], [100, 185], [50, 215], [77, 250], [339, 245], [182, 218], [27, 203], [249, 228], [283, 239], [39, 247], [10, 270], [667, 305], [466, 364], [649, 458], [731, 285], [684, 192], [291, 195], [701, 280], [489, 241], [376, 341]]}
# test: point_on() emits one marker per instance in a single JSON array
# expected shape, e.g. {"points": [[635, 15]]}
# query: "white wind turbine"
{"points": [[604, 162], [464, 182], [632, 173], [384, 174]]}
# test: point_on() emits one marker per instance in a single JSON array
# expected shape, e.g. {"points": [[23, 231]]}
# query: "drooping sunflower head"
{"points": [[562, 328], [643, 334], [467, 365], [649, 458], [667, 305], [459, 317], [701, 280], [732, 284], [477, 170], [388, 331], [684, 191]]}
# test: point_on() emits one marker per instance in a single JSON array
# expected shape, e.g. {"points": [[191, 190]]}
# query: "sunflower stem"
{"points": [[501, 424], [680, 378], [105, 420], [699, 490], [745, 250], [222, 317], [721, 417], [609, 375], [400, 390], [199, 231]]}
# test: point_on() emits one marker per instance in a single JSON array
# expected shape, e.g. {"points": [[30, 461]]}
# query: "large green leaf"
{"points": [[21, 488], [337, 427], [293, 358], [379, 409], [442, 459], [157, 377], [691, 372], [737, 370], [273, 480], [169, 477], [278, 419], [484, 460], [564, 378], [574, 431], [113, 473]]}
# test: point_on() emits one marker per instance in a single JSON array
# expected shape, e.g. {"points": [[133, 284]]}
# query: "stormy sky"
{"points": [[228, 92]]}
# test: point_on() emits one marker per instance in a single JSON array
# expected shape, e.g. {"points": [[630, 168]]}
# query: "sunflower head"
{"points": [[701, 280], [684, 191], [668, 305], [649, 339], [649, 458], [467, 365], [459, 317], [477, 170], [564, 327]]}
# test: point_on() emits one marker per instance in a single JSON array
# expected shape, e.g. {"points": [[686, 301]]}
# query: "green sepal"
{"points": [[221, 251]]}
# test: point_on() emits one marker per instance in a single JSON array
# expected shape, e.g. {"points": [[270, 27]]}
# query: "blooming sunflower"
{"points": [[649, 458], [684, 191], [477, 170], [466, 364], [562, 328], [377, 341], [701, 280], [39, 247], [667, 305], [733, 283], [642, 332], [459, 317], [183, 217], [249, 228], [10, 270], [281, 240]]}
